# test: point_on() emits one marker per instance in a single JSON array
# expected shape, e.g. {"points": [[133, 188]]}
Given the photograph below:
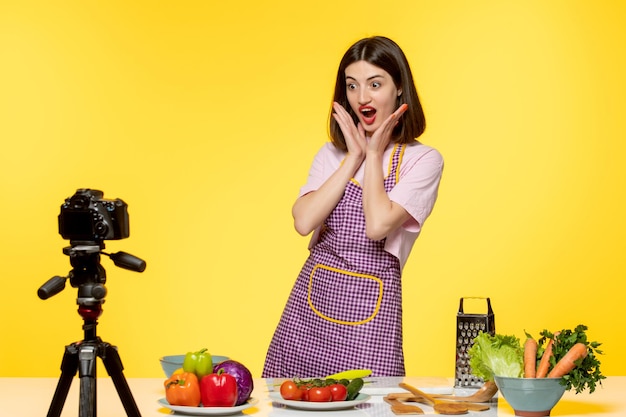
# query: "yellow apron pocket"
{"points": [[344, 297]]}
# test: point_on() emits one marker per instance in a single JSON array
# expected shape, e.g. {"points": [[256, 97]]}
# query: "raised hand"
{"points": [[381, 137], [354, 134]]}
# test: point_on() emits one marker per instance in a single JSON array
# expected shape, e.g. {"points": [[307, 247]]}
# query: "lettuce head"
{"points": [[500, 355]]}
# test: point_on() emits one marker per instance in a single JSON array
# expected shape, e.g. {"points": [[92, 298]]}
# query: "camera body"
{"points": [[87, 216]]}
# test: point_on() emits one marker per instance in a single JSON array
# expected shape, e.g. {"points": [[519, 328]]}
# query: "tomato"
{"points": [[339, 392], [289, 390], [320, 394], [305, 393]]}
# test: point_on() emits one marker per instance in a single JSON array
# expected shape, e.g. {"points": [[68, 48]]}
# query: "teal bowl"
{"points": [[530, 397], [171, 363]]}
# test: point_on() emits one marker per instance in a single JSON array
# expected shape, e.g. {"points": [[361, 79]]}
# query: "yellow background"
{"points": [[204, 117]]}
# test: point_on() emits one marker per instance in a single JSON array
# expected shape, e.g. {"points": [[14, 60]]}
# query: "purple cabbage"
{"points": [[242, 375]]}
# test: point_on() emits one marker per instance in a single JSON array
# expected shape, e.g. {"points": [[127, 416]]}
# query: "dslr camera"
{"points": [[87, 216], [87, 219]]}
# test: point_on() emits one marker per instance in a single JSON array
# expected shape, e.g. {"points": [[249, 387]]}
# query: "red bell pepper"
{"points": [[183, 389], [218, 390]]}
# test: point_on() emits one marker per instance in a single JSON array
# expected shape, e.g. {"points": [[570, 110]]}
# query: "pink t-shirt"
{"points": [[416, 190]]}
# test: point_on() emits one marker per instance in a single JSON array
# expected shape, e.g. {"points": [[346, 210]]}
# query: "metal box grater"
{"points": [[468, 326]]}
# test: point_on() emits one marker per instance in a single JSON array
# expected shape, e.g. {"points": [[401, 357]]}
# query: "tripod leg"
{"points": [[69, 366], [87, 354], [113, 364]]}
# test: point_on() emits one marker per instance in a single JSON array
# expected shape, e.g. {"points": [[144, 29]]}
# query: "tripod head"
{"points": [[88, 275], [87, 220]]}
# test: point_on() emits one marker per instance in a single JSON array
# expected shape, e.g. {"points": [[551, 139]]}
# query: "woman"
{"points": [[367, 196]]}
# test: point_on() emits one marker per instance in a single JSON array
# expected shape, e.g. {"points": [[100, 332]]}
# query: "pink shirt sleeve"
{"points": [[418, 185], [325, 163], [416, 191]]}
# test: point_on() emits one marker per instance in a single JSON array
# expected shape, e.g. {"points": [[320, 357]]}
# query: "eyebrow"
{"points": [[368, 79]]}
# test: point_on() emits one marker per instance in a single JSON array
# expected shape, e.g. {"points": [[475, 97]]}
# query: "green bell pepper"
{"points": [[200, 363]]}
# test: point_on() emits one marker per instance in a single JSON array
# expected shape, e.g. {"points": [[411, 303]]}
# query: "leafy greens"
{"points": [[500, 355], [587, 373]]}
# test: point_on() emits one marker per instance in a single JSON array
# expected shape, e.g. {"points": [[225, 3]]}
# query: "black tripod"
{"points": [[89, 277], [81, 357]]}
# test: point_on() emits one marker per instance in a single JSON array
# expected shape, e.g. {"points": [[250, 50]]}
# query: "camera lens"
{"points": [[101, 229]]}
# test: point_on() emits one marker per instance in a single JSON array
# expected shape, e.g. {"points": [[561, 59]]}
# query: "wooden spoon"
{"points": [[439, 406], [482, 395], [410, 397], [398, 407]]}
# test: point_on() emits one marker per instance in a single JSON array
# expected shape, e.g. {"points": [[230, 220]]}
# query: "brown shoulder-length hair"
{"points": [[386, 54]]}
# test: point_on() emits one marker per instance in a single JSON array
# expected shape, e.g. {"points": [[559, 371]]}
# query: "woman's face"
{"points": [[371, 93]]}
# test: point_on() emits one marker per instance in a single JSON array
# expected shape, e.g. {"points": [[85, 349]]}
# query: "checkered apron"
{"points": [[345, 309]]}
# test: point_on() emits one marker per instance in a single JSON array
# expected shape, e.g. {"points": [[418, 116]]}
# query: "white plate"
{"points": [[315, 406], [208, 411], [386, 385]]}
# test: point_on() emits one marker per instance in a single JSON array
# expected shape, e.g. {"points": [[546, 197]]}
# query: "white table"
{"points": [[31, 397]]}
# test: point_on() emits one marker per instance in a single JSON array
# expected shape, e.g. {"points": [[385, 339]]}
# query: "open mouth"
{"points": [[368, 113]]}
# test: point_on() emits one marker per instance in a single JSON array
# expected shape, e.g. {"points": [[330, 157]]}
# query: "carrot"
{"points": [[568, 361], [544, 363], [530, 358]]}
